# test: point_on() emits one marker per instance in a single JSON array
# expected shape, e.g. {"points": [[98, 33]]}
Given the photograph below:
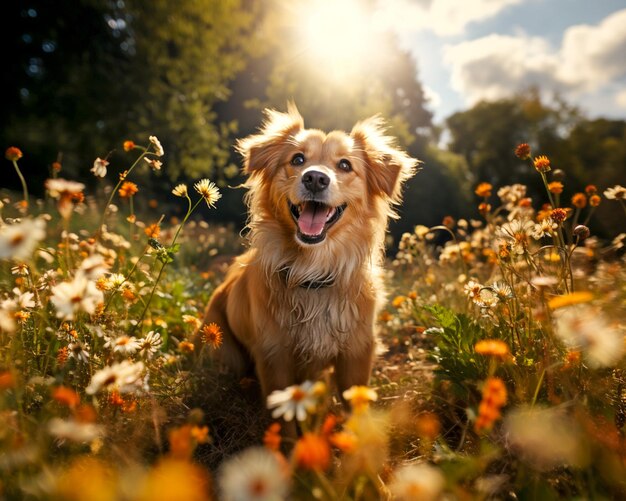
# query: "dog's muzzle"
{"points": [[313, 219]]}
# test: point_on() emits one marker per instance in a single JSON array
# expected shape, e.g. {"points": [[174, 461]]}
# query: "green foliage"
{"points": [[454, 347]]}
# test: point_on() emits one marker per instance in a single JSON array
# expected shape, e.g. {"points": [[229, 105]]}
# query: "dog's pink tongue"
{"points": [[312, 218]]}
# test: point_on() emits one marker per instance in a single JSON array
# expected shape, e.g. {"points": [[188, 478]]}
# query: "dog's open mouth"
{"points": [[313, 219]]}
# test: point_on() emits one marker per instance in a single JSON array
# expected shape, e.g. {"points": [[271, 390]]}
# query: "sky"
{"points": [[468, 50]]}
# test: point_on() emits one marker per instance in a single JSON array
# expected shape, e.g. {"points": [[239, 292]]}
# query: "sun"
{"points": [[337, 37]]}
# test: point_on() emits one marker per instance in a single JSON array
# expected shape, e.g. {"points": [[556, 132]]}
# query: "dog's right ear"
{"points": [[263, 151]]}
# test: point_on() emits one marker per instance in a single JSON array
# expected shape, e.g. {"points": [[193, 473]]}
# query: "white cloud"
{"points": [[433, 98], [443, 17], [620, 99], [589, 60]]}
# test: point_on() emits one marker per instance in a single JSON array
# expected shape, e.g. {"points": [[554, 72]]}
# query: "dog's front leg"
{"points": [[354, 369]]}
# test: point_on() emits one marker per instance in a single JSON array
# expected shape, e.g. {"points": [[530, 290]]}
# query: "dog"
{"points": [[306, 294]]}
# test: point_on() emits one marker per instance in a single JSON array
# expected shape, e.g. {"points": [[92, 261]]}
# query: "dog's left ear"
{"points": [[388, 166], [263, 151]]}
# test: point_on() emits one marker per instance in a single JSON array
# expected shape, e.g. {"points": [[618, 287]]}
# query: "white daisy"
{"points": [[94, 267], [254, 475], [150, 344], [124, 345], [74, 431], [617, 192], [78, 351], [209, 191], [80, 294], [296, 400], [125, 377], [18, 241], [418, 481], [516, 233]]}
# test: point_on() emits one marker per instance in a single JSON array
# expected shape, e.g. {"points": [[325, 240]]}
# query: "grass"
{"points": [[502, 372]]}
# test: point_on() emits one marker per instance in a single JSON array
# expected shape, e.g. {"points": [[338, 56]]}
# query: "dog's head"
{"points": [[316, 183]]}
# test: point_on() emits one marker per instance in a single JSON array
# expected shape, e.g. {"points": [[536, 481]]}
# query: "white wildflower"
{"points": [[419, 481], [19, 240], [158, 149], [617, 192], [124, 377], [74, 431], [253, 475], [99, 168], [124, 345], [296, 400], [80, 294]]}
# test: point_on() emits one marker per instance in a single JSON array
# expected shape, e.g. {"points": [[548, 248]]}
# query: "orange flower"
{"points": [[483, 190], [398, 301], [344, 441], [153, 231], [186, 347], [448, 222], [522, 151], [212, 335], [484, 208], [542, 164], [66, 396], [559, 215], [570, 299], [7, 380], [272, 439], [181, 443], [428, 426], [56, 166], [494, 398], [594, 200], [129, 145], [312, 452], [591, 189], [128, 189], [579, 200], [492, 347], [13, 154], [62, 355], [555, 187]]}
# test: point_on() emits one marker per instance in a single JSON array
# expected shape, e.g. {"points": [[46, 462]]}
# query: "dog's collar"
{"points": [[308, 284]]}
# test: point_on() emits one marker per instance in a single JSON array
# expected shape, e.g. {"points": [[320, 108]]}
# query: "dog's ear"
{"points": [[263, 150], [388, 166]]}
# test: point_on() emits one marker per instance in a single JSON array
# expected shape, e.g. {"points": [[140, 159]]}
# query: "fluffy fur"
{"points": [[293, 304]]}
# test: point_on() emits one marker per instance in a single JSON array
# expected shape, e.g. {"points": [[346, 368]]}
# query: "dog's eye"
{"points": [[344, 165], [298, 159]]}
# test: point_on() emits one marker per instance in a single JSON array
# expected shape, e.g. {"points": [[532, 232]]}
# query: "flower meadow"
{"points": [[500, 374]]}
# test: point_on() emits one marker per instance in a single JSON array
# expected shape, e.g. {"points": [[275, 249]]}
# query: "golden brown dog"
{"points": [[305, 296]]}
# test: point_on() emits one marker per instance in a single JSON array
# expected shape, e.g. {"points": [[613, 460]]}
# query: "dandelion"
{"points": [[150, 344], [154, 164], [579, 200], [180, 190], [581, 327], [209, 191], [296, 400], [256, 474], [360, 397], [542, 164], [19, 240], [483, 190], [312, 452], [128, 189], [81, 294], [128, 145], [99, 168], [211, 334], [419, 481], [522, 151], [158, 149], [124, 377], [617, 192]]}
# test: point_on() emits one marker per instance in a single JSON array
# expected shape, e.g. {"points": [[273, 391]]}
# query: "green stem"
{"points": [[22, 180], [121, 180]]}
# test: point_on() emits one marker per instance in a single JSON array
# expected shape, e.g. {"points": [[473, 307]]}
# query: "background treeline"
{"points": [[81, 76]]}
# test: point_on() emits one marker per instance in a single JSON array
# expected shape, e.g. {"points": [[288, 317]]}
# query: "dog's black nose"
{"points": [[315, 181]]}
